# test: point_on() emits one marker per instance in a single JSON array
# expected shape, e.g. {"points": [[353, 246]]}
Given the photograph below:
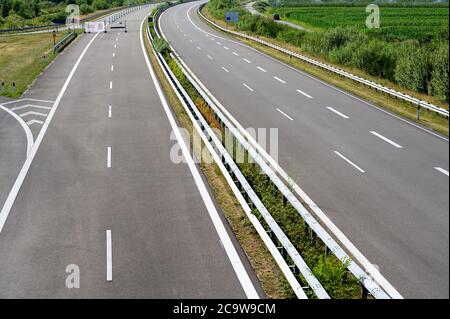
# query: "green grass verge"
{"points": [[270, 276], [24, 57]]}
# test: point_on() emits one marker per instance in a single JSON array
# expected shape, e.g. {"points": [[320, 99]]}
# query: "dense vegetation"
{"points": [[420, 64], [23, 13]]}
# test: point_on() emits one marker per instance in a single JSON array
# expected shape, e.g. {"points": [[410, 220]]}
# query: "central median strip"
{"points": [[277, 209]]}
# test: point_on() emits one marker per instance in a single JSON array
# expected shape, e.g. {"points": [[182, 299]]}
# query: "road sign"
{"points": [[232, 17]]}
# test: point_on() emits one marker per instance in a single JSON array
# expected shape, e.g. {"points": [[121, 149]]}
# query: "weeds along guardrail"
{"points": [[64, 42], [419, 104], [290, 226]]}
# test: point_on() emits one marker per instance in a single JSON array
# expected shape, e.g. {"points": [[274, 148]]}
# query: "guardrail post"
{"points": [[364, 292], [3, 87], [418, 111], [13, 86]]}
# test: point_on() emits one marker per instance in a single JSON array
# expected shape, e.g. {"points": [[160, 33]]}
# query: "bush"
{"points": [[85, 9], [161, 46], [413, 69], [438, 85], [376, 58]]}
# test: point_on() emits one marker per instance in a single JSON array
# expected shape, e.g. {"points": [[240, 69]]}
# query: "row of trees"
{"points": [[15, 11], [421, 67]]}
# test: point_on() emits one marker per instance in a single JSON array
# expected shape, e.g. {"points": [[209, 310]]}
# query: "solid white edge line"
{"points": [[108, 255], [230, 250], [305, 94], [337, 112], [384, 138], [26, 166], [290, 118], [25, 127], [349, 161], [366, 264], [443, 171]]}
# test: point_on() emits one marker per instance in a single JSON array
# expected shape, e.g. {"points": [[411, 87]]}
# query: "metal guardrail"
{"points": [[233, 175], [366, 280], [64, 42], [407, 98]]}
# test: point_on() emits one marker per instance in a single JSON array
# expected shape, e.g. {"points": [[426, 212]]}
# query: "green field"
{"points": [[419, 23], [22, 58]]}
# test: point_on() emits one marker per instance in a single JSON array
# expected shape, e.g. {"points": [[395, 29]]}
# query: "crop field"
{"points": [[395, 22]]}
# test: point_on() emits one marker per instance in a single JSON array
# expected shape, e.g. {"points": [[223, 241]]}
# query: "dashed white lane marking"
{"points": [[108, 255], [226, 48], [225, 69], [210, 57], [198, 48], [109, 111], [219, 43], [337, 112], [443, 171], [31, 105], [247, 60], [112, 67], [287, 116], [261, 69], [117, 39], [185, 35], [115, 46], [305, 94], [249, 88], [386, 139], [349, 161], [110, 85], [190, 40], [280, 80], [114, 54], [236, 54], [108, 157]]}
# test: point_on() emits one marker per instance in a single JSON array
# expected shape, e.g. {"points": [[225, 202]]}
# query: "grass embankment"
{"points": [[272, 281], [330, 271], [427, 119], [23, 57]]}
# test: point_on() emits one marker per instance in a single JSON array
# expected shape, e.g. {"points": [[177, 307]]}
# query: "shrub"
{"points": [[413, 69], [438, 85], [161, 46], [376, 58]]}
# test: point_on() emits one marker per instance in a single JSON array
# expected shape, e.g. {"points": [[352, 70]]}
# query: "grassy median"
{"points": [[272, 280], [428, 119], [23, 58]]}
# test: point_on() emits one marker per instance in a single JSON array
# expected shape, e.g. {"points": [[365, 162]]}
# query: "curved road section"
{"points": [[102, 211], [382, 180]]}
